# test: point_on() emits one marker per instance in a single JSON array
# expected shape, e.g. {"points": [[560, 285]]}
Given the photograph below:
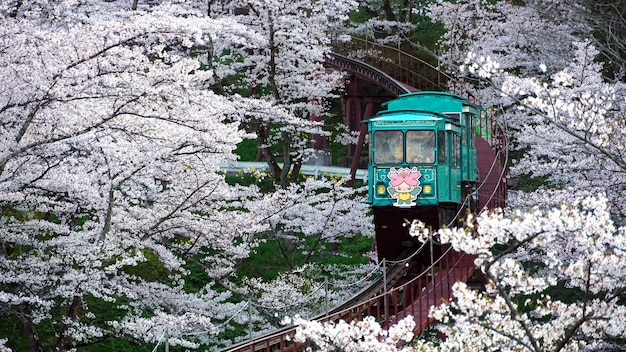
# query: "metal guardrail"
{"points": [[393, 61], [430, 288], [316, 171], [366, 71]]}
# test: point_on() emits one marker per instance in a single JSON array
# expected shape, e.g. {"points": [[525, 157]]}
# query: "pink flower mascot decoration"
{"points": [[404, 186]]}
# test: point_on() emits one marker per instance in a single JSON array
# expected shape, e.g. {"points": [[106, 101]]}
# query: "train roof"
{"points": [[402, 115], [433, 101]]}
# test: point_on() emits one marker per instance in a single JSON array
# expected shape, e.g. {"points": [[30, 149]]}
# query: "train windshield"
{"points": [[389, 147], [420, 147]]}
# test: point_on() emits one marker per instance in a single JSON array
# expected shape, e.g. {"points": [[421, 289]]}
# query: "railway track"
{"points": [[391, 276], [394, 274], [409, 297]]}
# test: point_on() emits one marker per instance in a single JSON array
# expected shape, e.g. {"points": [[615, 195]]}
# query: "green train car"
{"points": [[422, 164]]}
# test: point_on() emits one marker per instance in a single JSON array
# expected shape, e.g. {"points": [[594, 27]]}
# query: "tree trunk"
{"points": [[29, 328], [64, 341]]}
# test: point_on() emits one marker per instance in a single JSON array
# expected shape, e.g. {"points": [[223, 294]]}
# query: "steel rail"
{"points": [[413, 298]]}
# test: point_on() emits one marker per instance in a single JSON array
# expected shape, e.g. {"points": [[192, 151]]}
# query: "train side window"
{"points": [[463, 137], [466, 119], [441, 147], [472, 133], [388, 147], [420, 147], [456, 151]]}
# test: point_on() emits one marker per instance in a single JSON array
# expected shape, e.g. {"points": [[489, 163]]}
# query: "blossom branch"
{"points": [[514, 313]]}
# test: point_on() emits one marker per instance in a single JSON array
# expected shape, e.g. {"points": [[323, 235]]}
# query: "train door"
{"points": [[443, 169], [468, 151], [455, 167]]}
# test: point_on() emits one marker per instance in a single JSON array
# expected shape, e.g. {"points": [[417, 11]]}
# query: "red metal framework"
{"points": [[367, 72], [402, 66]]}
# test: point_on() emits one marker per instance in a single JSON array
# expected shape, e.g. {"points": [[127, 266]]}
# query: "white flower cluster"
{"points": [[481, 66], [579, 101], [517, 252], [357, 336], [584, 116], [163, 326], [3, 347]]}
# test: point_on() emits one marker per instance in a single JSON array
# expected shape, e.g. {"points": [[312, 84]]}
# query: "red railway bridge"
{"points": [[374, 74]]}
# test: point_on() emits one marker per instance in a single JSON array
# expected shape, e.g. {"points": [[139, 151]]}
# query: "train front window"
{"points": [[388, 147], [420, 147]]}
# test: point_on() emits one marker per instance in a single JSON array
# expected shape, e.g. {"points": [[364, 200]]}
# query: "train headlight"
{"points": [[427, 189], [380, 190]]}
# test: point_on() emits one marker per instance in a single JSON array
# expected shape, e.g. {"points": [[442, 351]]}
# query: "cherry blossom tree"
{"points": [[306, 222], [319, 210], [108, 176], [286, 69], [517, 37], [604, 17], [554, 281], [563, 95], [586, 116], [386, 21], [566, 117]]}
